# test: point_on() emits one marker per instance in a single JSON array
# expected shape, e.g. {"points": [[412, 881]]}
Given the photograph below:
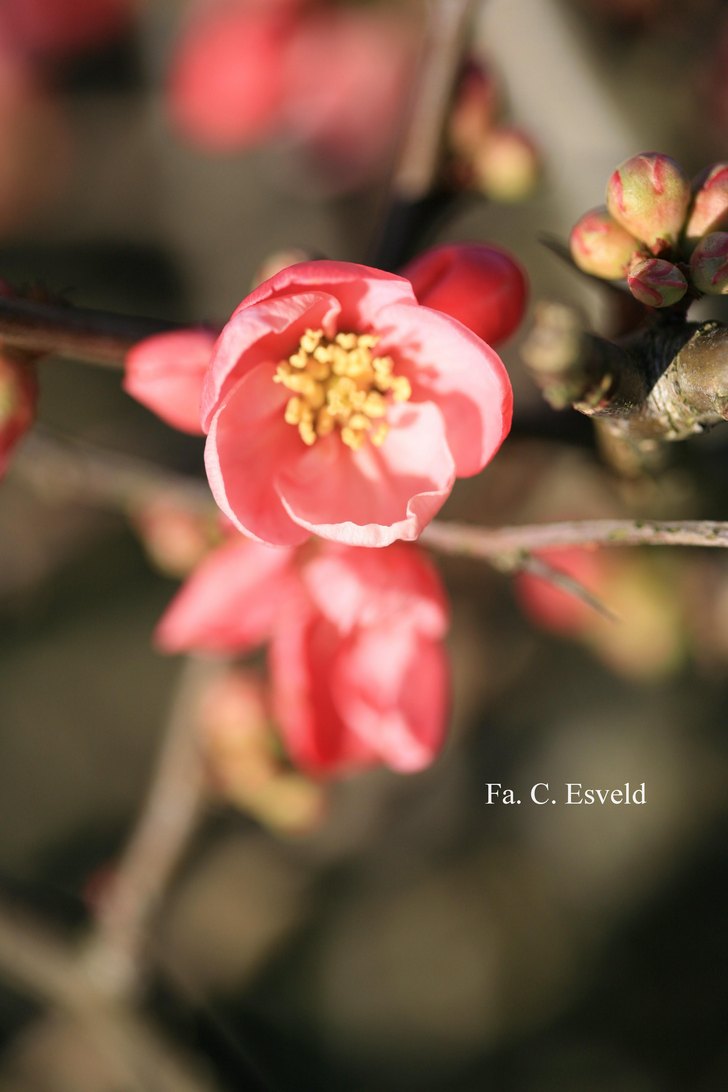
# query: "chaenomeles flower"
{"points": [[359, 673], [333, 78], [336, 405]]}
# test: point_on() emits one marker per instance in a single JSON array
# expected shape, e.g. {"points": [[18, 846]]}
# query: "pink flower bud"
{"points": [[278, 260], [18, 398], [709, 264], [507, 166], [481, 286], [600, 246], [649, 196], [710, 206], [656, 283], [175, 537]]}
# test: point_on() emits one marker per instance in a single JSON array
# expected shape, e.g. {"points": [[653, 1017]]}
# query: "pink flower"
{"points": [[349, 118], [18, 398], [331, 78], [359, 672], [481, 286], [336, 405], [227, 84]]}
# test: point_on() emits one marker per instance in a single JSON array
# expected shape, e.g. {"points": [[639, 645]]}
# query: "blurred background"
{"points": [[416, 938]]}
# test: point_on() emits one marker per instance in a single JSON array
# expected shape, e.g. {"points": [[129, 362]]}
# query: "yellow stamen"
{"points": [[339, 384]]}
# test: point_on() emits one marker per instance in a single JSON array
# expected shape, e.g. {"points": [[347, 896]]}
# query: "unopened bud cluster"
{"points": [[498, 160], [666, 237]]}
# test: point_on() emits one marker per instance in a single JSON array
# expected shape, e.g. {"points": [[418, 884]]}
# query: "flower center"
{"points": [[340, 384]]}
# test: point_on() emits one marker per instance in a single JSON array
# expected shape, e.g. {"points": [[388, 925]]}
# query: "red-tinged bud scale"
{"points": [[710, 205], [479, 285], [18, 398], [656, 283], [649, 195], [602, 247], [709, 264]]}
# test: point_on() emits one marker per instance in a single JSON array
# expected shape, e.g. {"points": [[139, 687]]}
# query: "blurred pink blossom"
{"points": [[332, 78], [358, 669]]}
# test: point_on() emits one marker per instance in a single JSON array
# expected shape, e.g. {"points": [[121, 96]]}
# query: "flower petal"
{"points": [[303, 659], [391, 690], [448, 365], [266, 333], [373, 496], [165, 373], [357, 587], [230, 602], [362, 290], [248, 443]]}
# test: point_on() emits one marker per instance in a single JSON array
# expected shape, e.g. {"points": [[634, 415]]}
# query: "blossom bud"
{"points": [[481, 286], [243, 760], [507, 166], [709, 264], [175, 537], [600, 246], [710, 206], [648, 195], [278, 260], [18, 398], [656, 283]]}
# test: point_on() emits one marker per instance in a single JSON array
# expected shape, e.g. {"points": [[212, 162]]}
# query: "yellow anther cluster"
{"points": [[339, 384]]}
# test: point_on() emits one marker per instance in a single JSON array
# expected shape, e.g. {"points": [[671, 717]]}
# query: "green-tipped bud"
{"points": [[507, 166], [709, 264], [710, 205], [601, 246], [656, 283], [649, 196]]}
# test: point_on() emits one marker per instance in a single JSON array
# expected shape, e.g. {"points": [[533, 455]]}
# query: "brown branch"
{"points": [[97, 337], [667, 382]]}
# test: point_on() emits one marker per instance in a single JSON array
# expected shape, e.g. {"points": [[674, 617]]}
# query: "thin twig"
{"points": [[157, 844], [536, 566], [487, 543], [84, 471], [66, 468]]}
